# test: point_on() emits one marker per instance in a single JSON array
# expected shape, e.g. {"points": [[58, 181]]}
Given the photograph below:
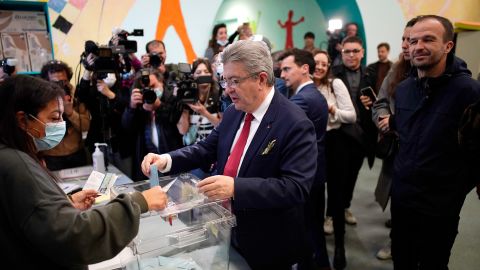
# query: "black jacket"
{"points": [[364, 131], [135, 121], [431, 172]]}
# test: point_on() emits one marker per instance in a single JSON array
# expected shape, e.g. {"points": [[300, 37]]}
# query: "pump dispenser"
{"points": [[98, 159]]}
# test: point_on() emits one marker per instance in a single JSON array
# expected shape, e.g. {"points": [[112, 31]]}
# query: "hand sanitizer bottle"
{"points": [[98, 159]]}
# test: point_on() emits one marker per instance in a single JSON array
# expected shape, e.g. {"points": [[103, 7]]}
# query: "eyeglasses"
{"points": [[234, 82], [354, 51]]}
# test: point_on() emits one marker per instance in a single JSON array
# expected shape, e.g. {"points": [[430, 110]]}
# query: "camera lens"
{"points": [[155, 60], [149, 96]]}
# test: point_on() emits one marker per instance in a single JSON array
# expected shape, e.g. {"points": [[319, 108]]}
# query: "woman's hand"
{"points": [[84, 199], [198, 108]]}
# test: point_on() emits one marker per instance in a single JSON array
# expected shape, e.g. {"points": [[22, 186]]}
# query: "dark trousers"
{"points": [[420, 241], [355, 157], [343, 163], [314, 212]]}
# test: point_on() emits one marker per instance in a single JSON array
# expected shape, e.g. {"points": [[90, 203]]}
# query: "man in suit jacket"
{"points": [[297, 66], [275, 172]]}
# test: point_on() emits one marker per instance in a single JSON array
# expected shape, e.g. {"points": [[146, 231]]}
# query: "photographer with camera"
{"points": [[129, 64], [101, 90], [202, 115], [335, 39], [70, 152], [152, 118]]}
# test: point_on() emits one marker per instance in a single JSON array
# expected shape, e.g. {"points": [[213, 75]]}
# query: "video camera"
{"points": [[105, 58], [8, 65], [187, 91], [130, 46], [149, 95]]}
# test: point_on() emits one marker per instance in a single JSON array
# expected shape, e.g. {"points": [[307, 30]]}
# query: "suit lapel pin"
{"points": [[269, 147]]}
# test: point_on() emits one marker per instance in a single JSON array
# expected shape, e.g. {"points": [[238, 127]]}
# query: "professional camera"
{"points": [[187, 91], [129, 45], [105, 61], [8, 65], [155, 60], [149, 95]]}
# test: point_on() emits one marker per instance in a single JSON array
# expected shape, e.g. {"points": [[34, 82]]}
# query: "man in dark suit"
{"points": [[297, 66], [263, 149]]}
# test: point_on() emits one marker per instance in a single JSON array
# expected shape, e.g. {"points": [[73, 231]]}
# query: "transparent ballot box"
{"points": [[191, 233]]}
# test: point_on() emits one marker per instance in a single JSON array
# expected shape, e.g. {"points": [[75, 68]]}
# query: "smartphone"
{"points": [[368, 91]]}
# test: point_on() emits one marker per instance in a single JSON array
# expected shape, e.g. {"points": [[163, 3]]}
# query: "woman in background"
{"points": [[198, 121], [340, 111], [218, 41]]}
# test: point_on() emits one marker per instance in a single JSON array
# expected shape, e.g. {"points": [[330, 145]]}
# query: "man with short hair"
{"points": [[297, 66], [379, 69], [263, 148], [309, 42], [432, 175], [360, 137]]}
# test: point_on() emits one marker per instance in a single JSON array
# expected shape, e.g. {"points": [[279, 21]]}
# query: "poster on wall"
{"points": [[39, 49], [25, 36], [15, 46]]}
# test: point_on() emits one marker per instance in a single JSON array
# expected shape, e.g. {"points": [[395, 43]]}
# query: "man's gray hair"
{"points": [[254, 55]]}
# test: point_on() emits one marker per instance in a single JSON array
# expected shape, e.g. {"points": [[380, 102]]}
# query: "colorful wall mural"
{"points": [[185, 25]]}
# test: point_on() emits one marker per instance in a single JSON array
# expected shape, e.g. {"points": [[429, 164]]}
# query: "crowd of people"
{"points": [[266, 130]]}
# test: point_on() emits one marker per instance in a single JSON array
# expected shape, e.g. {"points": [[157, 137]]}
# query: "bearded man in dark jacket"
{"points": [[431, 177]]}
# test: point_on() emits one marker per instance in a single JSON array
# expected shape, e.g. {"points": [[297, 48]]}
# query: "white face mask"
{"points": [[54, 133], [159, 92], [222, 42], [110, 80]]}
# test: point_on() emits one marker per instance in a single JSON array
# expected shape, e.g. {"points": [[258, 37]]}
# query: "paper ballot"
{"points": [[100, 182]]}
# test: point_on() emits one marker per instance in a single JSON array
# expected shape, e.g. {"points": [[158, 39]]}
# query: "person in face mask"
{"points": [[153, 122], [199, 119], [70, 151], [42, 226], [218, 41], [106, 97]]}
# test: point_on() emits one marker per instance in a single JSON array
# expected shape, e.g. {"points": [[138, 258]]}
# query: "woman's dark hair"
{"points": [[27, 94], [328, 75], [213, 41], [213, 89], [204, 61], [400, 73]]}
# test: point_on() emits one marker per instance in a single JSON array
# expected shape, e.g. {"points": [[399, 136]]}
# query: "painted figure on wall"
{"points": [[171, 15], [288, 26]]}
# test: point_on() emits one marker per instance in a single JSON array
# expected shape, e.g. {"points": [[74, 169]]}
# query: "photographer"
{"points": [[70, 152], [335, 39], [101, 91], [198, 121], [151, 118], [129, 64]]}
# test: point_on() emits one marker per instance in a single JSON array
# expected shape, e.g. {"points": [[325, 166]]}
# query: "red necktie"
{"points": [[233, 161]]}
